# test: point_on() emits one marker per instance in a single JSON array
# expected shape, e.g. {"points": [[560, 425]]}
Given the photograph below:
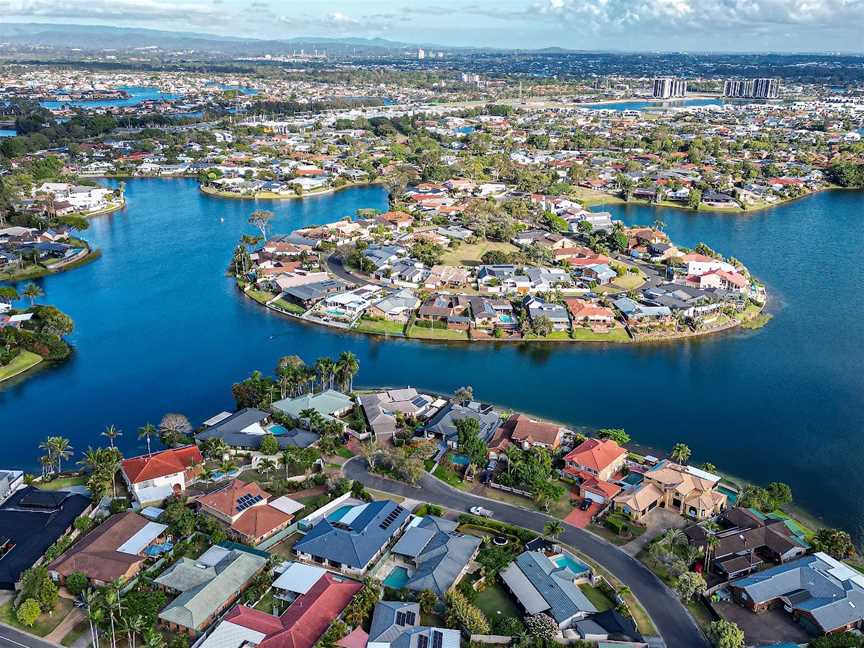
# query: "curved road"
{"points": [[672, 620]]}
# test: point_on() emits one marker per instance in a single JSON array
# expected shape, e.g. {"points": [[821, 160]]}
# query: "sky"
{"points": [[634, 25]]}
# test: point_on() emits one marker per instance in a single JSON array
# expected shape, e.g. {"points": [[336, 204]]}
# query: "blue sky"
{"points": [[680, 25]]}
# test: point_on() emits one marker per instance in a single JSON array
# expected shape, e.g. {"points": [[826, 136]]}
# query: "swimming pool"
{"points": [[563, 560], [277, 430], [731, 495], [460, 459], [397, 578], [634, 479], [339, 513]]}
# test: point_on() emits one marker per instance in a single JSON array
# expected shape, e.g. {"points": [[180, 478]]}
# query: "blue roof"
{"points": [[357, 536]]}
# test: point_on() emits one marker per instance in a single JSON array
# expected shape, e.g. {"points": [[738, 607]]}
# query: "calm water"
{"points": [[160, 328], [7, 132], [648, 105], [137, 95]]}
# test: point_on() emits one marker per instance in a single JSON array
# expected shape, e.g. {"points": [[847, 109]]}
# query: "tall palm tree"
{"points": [[111, 597], [710, 548], [674, 537], [681, 453], [62, 451], [111, 432], [347, 367], [90, 599], [32, 292], [553, 529], [147, 432]]}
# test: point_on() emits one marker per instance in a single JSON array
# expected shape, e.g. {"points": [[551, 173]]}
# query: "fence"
{"points": [[499, 640], [509, 489], [276, 538]]}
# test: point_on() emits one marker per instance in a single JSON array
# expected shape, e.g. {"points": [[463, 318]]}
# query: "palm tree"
{"points": [[674, 537], [62, 451], [147, 431], [32, 291], [112, 605], [227, 466], [681, 453], [90, 599], [347, 367], [710, 547], [111, 432], [266, 466], [553, 529]]}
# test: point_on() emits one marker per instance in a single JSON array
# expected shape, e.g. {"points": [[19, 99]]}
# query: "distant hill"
{"points": [[97, 37]]}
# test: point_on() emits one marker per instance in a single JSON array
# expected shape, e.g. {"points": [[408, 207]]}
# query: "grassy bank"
{"points": [[20, 363], [37, 271], [270, 195]]}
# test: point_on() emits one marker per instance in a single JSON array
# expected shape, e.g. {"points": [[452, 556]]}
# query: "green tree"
{"points": [[32, 292], [28, 612], [618, 435], [834, 542], [690, 585], [269, 445], [76, 583], [680, 453], [725, 634], [553, 529]]}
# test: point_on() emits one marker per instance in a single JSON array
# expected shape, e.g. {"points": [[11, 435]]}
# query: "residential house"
{"points": [[396, 624], [396, 307], [821, 593], [154, 477], [686, 490], [451, 310], [243, 429], [592, 465], [586, 313], [330, 404], [116, 549], [525, 433], [548, 582], [555, 313], [438, 555], [31, 520], [380, 408], [208, 586], [246, 511], [443, 424], [442, 276], [352, 542], [610, 626]]}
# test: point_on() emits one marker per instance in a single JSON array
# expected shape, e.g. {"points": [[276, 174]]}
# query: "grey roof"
{"points": [[325, 403], [438, 552], [444, 422], [357, 536], [204, 588], [818, 585], [397, 624], [555, 585], [315, 291]]}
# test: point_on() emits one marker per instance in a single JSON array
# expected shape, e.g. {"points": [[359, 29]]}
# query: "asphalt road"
{"points": [[12, 638], [673, 621]]}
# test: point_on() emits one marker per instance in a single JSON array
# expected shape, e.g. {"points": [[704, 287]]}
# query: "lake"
{"points": [[159, 328], [137, 95]]}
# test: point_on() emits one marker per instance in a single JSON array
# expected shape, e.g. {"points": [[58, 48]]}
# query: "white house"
{"points": [[154, 477]]}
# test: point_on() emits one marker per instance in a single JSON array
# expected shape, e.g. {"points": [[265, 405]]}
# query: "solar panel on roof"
{"points": [[422, 641], [400, 618], [437, 639], [410, 618]]}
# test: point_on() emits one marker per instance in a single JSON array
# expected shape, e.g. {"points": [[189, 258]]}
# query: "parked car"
{"points": [[585, 504], [482, 512]]}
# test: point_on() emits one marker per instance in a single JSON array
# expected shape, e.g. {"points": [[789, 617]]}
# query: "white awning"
{"points": [[287, 505], [298, 578], [142, 539]]}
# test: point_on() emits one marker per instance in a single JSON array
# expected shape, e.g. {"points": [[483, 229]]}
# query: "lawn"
{"points": [[345, 453], [20, 363], [617, 334], [560, 336], [382, 495], [380, 327], [283, 549], [291, 307], [629, 281], [449, 477], [44, 625], [76, 633], [261, 296], [598, 599], [469, 254], [495, 601], [61, 483], [436, 334]]}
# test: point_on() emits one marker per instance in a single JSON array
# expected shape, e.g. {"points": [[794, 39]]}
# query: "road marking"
{"points": [[12, 641]]}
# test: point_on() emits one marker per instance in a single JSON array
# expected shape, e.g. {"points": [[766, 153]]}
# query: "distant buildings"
{"points": [[752, 88], [668, 87]]}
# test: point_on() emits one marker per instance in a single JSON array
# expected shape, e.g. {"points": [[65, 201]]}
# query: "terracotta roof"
{"points": [[526, 430], [258, 521], [596, 454], [355, 639], [96, 553], [225, 499], [310, 614], [162, 464]]}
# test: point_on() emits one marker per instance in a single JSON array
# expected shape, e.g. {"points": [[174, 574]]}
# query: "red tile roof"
{"points": [[162, 464], [597, 454]]}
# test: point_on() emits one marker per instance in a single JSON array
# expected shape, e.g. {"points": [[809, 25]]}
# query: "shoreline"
{"points": [[79, 260], [268, 195], [34, 360], [737, 324]]}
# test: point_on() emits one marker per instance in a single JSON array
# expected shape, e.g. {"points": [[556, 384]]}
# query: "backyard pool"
{"points": [[397, 578], [563, 560], [278, 430], [634, 479], [459, 459], [339, 513], [730, 494]]}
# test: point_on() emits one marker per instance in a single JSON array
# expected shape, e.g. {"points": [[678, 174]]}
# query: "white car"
{"points": [[482, 512]]}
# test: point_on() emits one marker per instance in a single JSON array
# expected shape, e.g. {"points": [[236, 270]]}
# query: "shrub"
{"points": [[461, 612], [76, 582]]}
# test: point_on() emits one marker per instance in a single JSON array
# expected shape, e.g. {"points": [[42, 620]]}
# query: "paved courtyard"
{"points": [[773, 626]]}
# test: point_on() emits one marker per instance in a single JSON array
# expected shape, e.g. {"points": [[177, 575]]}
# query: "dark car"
{"points": [[585, 504]]}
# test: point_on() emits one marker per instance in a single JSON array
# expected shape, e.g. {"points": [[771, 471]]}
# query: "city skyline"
{"points": [[611, 25]]}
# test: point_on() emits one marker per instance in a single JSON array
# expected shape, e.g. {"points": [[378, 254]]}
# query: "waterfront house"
{"points": [[309, 294], [548, 582], [31, 520], [153, 477], [396, 624], [438, 555], [586, 313], [351, 540], [745, 540], [396, 307], [592, 465], [822, 594], [555, 313], [207, 586], [381, 408], [442, 424], [526, 433], [115, 549], [330, 405], [244, 430], [450, 310], [686, 490], [245, 509]]}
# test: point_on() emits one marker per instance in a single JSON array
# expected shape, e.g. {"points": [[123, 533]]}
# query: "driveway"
{"points": [[672, 620], [657, 522], [579, 518]]}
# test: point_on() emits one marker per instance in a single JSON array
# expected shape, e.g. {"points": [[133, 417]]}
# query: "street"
{"points": [[672, 620], [12, 638]]}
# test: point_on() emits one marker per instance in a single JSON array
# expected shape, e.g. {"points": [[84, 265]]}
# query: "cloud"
{"points": [[113, 10]]}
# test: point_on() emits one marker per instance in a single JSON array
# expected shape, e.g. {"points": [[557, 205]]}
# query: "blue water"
{"points": [[397, 578], [567, 561], [648, 105], [6, 132], [160, 328], [460, 459], [278, 430], [137, 95], [339, 513]]}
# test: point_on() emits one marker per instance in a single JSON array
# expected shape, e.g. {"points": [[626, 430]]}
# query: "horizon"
{"points": [[631, 26]]}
